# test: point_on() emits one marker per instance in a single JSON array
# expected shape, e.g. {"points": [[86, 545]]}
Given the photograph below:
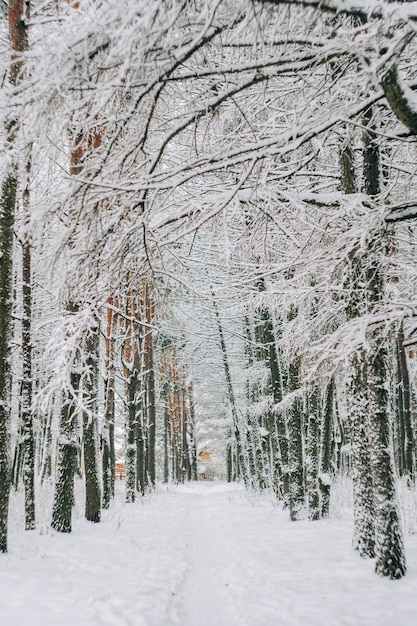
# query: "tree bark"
{"points": [[295, 429], [312, 455], [326, 449], [108, 449], [389, 545], [18, 14], [241, 460], [149, 314], [27, 411], [191, 431], [396, 92], [90, 430], [363, 489], [407, 438], [68, 447]]}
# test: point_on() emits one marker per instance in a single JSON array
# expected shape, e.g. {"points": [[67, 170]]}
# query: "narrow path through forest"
{"points": [[206, 554]]}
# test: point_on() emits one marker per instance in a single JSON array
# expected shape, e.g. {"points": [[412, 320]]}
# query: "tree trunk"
{"points": [[90, 430], [312, 455], [108, 450], [241, 460], [149, 314], [167, 439], [277, 423], [18, 13], [68, 446], [363, 492], [132, 369], [141, 438], [326, 449], [131, 432], [191, 433], [295, 428], [407, 438], [357, 387], [46, 446], [389, 545], [27, 412]]}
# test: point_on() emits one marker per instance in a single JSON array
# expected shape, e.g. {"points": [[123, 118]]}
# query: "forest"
{"points": [[207, 242]]}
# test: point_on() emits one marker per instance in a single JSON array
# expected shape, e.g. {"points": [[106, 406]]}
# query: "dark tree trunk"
{"points": [[18, 11], [108, 450], [27, 412], [149, 387], [389, 545], [326, 449], [185, 460], [363, 498], [67, 458], [241, 460], [191, 432], [357, 386], [167, 439], [90, 429], [230, 460], [278, 426], [133, 417], [132, 369], [312, 455], [295, 429], [347, 166], [46, 447], [407, 438], [17, 465], [141, 439]]}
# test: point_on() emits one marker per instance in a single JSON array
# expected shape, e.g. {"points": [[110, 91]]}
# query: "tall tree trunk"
{"points": [[46, 446], [363, 499], [191, 433], [276, 420], [132, 368], [167, 439], [295, 429], [18, 14], [184, 424], [404, 404], [108, 449], [141, 437], [90, 430], [389, 545], [176, 421], [67, 457], [235, 420], [312, 454], [357, 388], [27, 412], [133, 416], [149, 314], [326, 449]]}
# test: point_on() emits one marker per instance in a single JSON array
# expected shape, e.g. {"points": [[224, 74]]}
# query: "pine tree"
{"points": [[18, 15]]}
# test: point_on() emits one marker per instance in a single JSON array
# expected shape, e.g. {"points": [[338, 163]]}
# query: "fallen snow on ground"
{"points": [[206, 554]]}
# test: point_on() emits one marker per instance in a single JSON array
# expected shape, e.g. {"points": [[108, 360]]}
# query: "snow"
{"points": [[202, 553]]}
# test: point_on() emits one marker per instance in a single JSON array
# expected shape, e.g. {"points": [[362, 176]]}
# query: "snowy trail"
{"points": [[210, 591], [201, 554]]}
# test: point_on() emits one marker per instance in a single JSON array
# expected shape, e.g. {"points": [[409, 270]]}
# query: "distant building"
{"points": [[209, 465]]}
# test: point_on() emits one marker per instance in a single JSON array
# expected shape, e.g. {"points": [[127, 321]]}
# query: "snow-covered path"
{"points": [[205, 554]]}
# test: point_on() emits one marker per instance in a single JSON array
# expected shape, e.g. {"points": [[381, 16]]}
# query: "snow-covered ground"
{"points": [[204, 554]]}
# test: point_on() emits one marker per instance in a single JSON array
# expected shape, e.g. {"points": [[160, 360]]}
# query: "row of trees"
{"points": [[193, 144]]}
